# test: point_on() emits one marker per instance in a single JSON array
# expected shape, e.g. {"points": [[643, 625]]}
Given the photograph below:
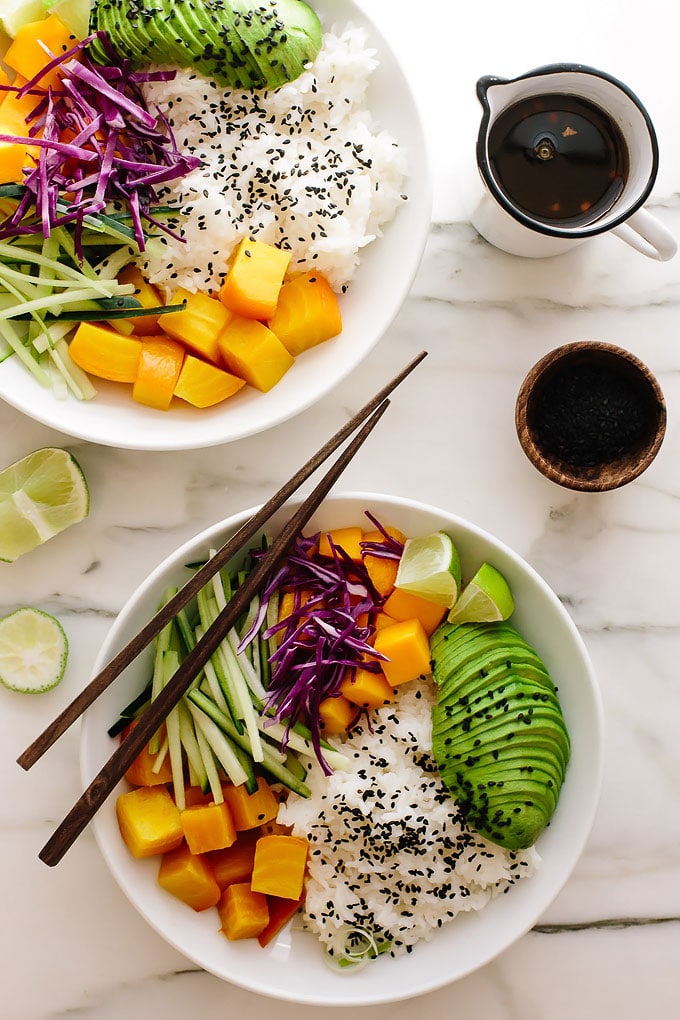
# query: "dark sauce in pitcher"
{"points": [[558, 158]]}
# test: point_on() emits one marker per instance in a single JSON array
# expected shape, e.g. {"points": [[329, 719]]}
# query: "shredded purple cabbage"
{"points": [[98, 144], [324, 638]]}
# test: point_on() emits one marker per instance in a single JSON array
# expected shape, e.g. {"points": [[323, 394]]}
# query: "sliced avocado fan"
{"points": [[498, 735], [238, 44]]}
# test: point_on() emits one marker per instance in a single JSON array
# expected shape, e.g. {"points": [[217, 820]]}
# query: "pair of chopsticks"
{"points": [[148, 723]]}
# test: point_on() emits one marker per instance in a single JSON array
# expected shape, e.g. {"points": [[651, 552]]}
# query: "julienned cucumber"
{"points": [[220, 725], [47, 287]]}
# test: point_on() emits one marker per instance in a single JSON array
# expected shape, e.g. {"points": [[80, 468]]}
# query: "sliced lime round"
{"points": [[33, 651], [486, 598], [40, 495], [430, 567]]}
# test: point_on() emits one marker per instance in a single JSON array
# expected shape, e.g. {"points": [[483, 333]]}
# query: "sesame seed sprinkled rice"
{"points": [[304, 167], [390, 852]]}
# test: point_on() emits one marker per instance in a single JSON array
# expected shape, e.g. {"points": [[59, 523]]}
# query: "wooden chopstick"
{"points": [[148, 723], [124, 657]]}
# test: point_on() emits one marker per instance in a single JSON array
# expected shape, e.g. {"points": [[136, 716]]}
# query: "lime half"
{"points": [[430, 567], [33, 651], [40, 496], [486, 598]]}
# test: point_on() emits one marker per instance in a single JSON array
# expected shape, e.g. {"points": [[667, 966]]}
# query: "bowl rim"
{"points": [[559, 472], [320, 370], [385, 993]]}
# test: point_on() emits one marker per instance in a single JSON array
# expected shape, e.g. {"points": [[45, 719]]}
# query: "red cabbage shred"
{"points": [[327, 634], [99, 144]]}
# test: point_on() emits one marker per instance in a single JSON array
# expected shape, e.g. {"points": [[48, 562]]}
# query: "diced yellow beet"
{"points": [[105, 353], [208, 827], [189, 877], [383, 620], [403, 605], [27, 57], [336, 714], [254, 353], [199, 325], [235, 863], [307, 313], [205, 385], [252, 285], [149, 821], [148, 297], [250, 810], [367, 690], [243, 913], [406, 647], [344, 538], [160, 363], [279, 866]]}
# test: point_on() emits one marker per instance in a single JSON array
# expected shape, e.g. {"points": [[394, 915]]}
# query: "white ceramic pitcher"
{"points": [[512, 229]]}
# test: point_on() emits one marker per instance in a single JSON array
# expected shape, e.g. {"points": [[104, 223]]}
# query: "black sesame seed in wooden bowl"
{"points": [[590, 416]]}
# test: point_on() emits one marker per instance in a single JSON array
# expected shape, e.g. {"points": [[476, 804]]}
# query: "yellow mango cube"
{"points": [[406, 648], [251, 351], [27, 57], [14, 156], [403, 605], [149, 821], [365, 689], [336, 714], [342, 538]]}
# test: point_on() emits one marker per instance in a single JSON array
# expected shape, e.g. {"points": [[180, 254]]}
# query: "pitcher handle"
{"points": [[643, 232]]}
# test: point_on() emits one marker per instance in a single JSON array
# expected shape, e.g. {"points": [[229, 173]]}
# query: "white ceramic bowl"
{"points": [[382, 281], [293, 968]]}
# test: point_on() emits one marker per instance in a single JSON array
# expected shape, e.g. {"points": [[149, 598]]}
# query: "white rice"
{"points": [[304, 167], [390, 852]]}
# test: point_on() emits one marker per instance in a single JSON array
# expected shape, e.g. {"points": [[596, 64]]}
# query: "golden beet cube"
{"points": [[149, 821], [189, 877], [254, 279], [254, 353]]}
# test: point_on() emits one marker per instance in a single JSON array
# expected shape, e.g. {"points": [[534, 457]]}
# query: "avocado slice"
{"points": [[283, 37], [236, 43], [498, 734]]}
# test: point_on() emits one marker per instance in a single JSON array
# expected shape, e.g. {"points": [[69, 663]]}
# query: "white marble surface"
{"points": [[71, 943]]}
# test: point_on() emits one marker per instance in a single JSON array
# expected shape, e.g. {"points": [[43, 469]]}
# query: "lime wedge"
{"points": [[487, 597], [75, 14], [33, 651], [430, 567], [15, 13], [40, 496]]}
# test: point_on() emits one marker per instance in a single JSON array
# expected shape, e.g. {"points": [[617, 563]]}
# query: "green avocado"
{"points": [[238, 44], [498, 734]]}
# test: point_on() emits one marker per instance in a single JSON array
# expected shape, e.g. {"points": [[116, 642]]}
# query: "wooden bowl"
{"points": [[590, 416]]}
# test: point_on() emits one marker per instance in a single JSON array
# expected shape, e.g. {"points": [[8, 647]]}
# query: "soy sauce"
{"points": [[558, 158]]}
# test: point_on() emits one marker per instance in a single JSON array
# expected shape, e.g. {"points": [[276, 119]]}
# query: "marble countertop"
{"points": [[610, 943]]}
